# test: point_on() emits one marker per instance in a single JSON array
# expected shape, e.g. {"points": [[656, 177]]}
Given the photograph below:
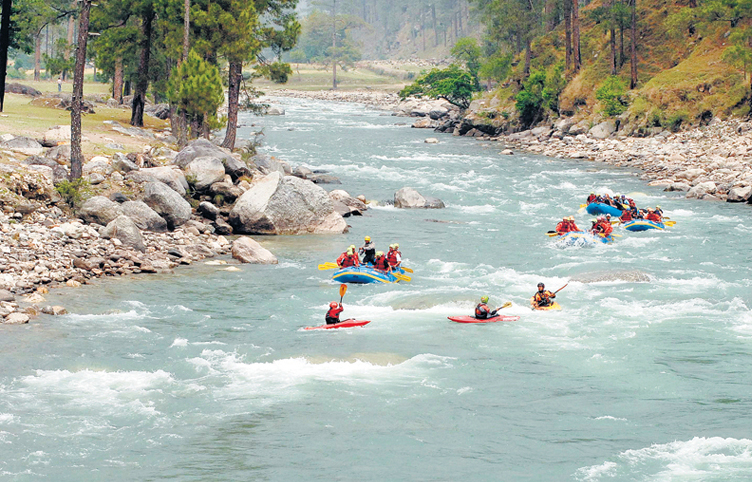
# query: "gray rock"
{"points": [[99, 210], [124, 229], [208, 210], [202, 172], [322, 178], [739, 194], [143, 216], [16, 319], [99, 165], [285, 205], [229, 192], [54, 310], [246, 250], [678, 186], [409, 198], [579, 128], [95, 178], [61, 154], [301, 172], [353, 205], [167, 203], [6, 295], [23, 145], [267, 165], [701, 190], [275, 110], [172, 177], [132, 131], [121, 163], [234, 167], [603, 130], [118, 197], [199, 148], [691, 174], [59, 173]]}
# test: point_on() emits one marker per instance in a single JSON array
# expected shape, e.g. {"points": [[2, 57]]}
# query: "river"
{"points": [[206, 374]]}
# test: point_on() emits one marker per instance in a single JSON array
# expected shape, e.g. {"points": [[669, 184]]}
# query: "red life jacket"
{"points": [[653, 217], [350, 260], [592, 198], [561, 228], [341, 260], [334, 312], [482, 311], [626, 216], [391, 258], [381, 263]]}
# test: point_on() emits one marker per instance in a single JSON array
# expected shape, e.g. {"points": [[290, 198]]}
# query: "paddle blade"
{"points": [[551, 234], [506, 305], [669, 223], [328, 265], [402, 277], [342, 290], [407, 269]]}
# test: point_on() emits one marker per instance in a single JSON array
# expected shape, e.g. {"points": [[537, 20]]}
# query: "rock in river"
{"points": [[408, 197], [285, 205], [246, 250]]}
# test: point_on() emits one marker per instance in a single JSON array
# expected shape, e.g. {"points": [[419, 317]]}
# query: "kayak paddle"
{"points": [[342, 291], [328, 265], [505, 305], [558, 289]]}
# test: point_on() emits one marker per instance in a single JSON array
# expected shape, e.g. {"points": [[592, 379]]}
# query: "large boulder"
{"points": [[347, 205], [740, 194], [167, 203], [202, 172], [59, 173], [204, 148], [267, 164], [408, 197], [23, 145], [57, 135], [246, 250], [98, 165], [121, 163], [603, 130], [143, 216], [285, 205], [99, 210], [702, 189], [124, 229], [60, 154], [690, 174], [172, 177]]}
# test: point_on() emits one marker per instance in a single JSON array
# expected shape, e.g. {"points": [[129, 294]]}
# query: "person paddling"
{"points": [[380, 263], [482, 311], [368, 250], [543, 297], [563, 226], [332, 316], [348, 258], [653, 216], [394, 257]]}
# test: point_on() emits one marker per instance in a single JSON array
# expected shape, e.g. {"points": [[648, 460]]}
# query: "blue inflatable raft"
{"points": [[643, 225], [363, 274], [600, 208], [582, 238]]}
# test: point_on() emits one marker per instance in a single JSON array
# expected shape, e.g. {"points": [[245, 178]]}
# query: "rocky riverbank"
{"points": [[372, 98]]}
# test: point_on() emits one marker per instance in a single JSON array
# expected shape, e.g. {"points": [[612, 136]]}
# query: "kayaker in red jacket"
{"points": [[332, 316], [482, 311], [380, 263]]}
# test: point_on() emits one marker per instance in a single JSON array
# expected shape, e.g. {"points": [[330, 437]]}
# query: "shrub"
{"points": [[73, 192], [540, 92], [611, 96]]}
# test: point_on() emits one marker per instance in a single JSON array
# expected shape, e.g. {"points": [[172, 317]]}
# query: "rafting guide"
{"points": [[368, 250]]}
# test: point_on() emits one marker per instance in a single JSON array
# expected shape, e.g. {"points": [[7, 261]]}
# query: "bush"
{"points": [[74, 192], [675, 121], [540, 92], [611, 96]]}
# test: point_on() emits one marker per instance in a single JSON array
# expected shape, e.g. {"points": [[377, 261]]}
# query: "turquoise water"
{"points": [[207, 374]]}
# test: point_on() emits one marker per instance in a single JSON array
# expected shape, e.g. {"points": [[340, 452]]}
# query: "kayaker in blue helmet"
{"points": [[482, 311], [332, 316], [543, 297]]}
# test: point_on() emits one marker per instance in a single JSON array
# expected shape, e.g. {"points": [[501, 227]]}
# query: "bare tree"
{"points": [[77, 157]]}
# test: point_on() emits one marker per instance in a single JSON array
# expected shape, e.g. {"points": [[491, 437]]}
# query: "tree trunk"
{"points": [[186, 28], [633, 79], [233, 96], [77, 157], [576, 59], [334, 44], [613, 51], [621, 46], [38, 56], [568, 32], [435, 28], [4, 45], [69, 40], [528, 56], [142, 82], [117, 82]]}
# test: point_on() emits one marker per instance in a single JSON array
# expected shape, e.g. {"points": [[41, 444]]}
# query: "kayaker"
{"points": [[332, 316], [368, 250], [543, 297], [394, 257], [348, 258], [380, 263], [482, 311]]}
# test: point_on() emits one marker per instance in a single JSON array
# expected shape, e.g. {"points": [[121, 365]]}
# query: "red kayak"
{"points": [[472, 319], [342, 324]]}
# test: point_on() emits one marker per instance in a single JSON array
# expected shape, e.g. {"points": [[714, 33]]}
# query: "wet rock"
{"points": [[320, 178], [167, 203], [739, 194], [275, 110], [702, 189], [301, 172], [348, 205], [678, 186], [246, 250], [431, 140], [267, 164], [55, 310], [144, 217], [285, 205], [100, 210], [16, 319], [409, 198]]}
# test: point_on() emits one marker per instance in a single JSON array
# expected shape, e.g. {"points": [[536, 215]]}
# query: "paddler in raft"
{"points": [[394, 257], [348, 258], [482, 311], [380, 263], [542, 297], [332, 316], [368, 250]]}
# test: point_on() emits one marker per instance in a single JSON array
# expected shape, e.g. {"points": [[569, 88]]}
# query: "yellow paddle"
{"points": [[342, 291], [402, 277], [505, 305], [669, 223], [551, 234], [407, 269], [328, 265]]}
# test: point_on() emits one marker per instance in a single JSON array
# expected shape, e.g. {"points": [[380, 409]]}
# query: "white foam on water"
{"points": [[697, 459], [609, 417], [97, 390], [6, 417], [291, 264], [104, 318], [484, 209], [179, 342]]}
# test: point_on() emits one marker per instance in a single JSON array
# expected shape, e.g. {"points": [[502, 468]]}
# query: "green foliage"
{"points": [[675, 120], [316, 39], [277, 72], [611, 96], [453, 84], [496, 67], [739, 53], [74, 192], [58, 63], [467, 50], [540, 93], [195, 87]]}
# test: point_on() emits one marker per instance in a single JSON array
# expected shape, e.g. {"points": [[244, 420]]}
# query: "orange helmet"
{"points": [[333, 304]]}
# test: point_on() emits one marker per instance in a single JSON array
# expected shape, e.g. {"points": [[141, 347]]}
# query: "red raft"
{"points": [[472, 319], [351, 323]]}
